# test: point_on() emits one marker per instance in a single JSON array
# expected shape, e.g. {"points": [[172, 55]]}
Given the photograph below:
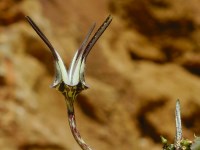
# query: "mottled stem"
{"points": [[73, 127], [178, 137]]}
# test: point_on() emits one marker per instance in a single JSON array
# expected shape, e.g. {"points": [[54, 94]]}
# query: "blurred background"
{"points": [[147, 59]]}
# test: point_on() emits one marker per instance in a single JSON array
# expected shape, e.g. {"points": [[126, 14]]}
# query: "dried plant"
{"points": [[71, 83], [180, 143]]}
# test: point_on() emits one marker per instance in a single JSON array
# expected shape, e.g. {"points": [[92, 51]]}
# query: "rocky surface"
{"points": [[147, 58]]}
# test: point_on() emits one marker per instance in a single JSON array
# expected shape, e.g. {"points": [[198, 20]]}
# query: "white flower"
{"points": [[75, 75]]}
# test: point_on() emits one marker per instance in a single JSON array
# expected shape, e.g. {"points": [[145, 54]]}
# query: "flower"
{"points": [[72, 80]]}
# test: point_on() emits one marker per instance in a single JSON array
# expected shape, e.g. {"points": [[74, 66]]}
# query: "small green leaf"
{"points": [[186, 143], [163, 140]]}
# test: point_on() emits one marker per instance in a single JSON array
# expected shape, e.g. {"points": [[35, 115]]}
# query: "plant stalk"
{"points": [[73, 126]]}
